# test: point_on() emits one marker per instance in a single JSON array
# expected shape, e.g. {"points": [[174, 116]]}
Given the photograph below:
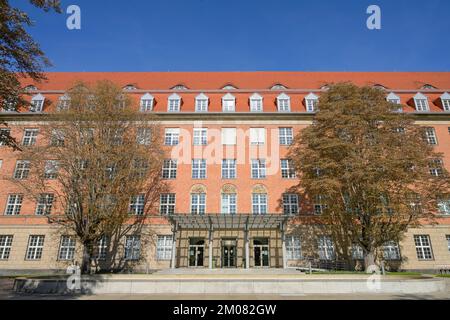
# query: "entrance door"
{"points": [[196, 252], [229, 253], [261, 252]]}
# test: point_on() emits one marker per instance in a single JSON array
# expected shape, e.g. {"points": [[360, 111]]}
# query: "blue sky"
{"points": [[246, 35]]}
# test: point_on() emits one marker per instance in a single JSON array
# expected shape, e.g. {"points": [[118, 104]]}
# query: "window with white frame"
{"points": [[228, 203], [200, 136], [37, 103], [326, 248], [285, 136], [448, 241], [257, 136], [4, 133], [283, 103], [436, 167], [172, 136], [229, 136], [430, 136], [357, 252], [445, 99], [198, 203], [391, 251], [228, 103], [132, 248], [5, 246], [201, 103], [164, 247], [256, 103], [259, 203], [144, 136], [287, 169], [57, 138], [229, 169], [311, 102], [102, 248], [198, 168], [44, 204], [423, 247], [167, 204], [394, 99], [444, 206], [35, 247], [9, 105], [146, 103], [51, 169], [290, 204], [30, 137], [14, 204], [421, 102], [174, 103], [293, 248], [258, 169], [63, 103], [319, 205], [137, 204], [66, 248], [169, 170], [22, 170]]}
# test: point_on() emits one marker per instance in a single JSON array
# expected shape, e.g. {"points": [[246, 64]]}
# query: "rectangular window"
{"points": [[326, 248], [200, 136], [37, 105], [421, 104], [290, 204], [444, 206], [35, 247], [44, 204], [198, 203], [172, 136], [448, 241], [146, 105], [228, 136], [228, 204], [446, 104], [22, 170], [284, 105], [132, 248], [169, 169], [391, 251], [51, 170], [293, 248], [319, 205], [311, 105], [57, 138], [259, 169], [198, 169], [436, 167], [256, 105], [4, 133], [287, 169], [137, 204], [144, 136], [174, 105], [228, 105], [66, 248], [423, 247], [5, 246], [257, 136], [286, 136], [167, 204], [201, 105], [14, 204], [430, 136], [29, 137], [229, 169], [164, 248], [357, 252], [102, 248], [259, 203]]}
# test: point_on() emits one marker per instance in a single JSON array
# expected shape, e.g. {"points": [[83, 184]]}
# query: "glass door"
{"points": [[229, 254], [196, 252], [261, 252]]}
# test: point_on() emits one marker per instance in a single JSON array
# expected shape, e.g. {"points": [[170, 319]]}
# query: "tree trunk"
{"points": [[369, 262], [86, 262]]}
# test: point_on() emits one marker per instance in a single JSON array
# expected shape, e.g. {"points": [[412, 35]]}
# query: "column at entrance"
{"points": [[174, 246], [247, 246], [210, 246], [283, 244]]}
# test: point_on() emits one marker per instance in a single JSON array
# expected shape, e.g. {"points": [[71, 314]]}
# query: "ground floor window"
{"points": [[164, 248], [448, 241], [293, 248], [66, 248], [5, 246], [326, 248], [132, 248], [35, 247], [357, 252], [391, 251], [423, 247], [102, 248]]}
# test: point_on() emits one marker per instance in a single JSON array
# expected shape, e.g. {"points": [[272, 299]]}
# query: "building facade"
{"points": [[227, 137]]}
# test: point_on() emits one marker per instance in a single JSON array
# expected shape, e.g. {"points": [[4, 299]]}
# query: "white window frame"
{"points": [[137, 205], [256, 103], [286, 136], [201, 103], [6, 242], [167, 202], [66, 248], [22, 169], [258, 169], [287, 169], [132, 248], [102, 248], [37, 103], [44, 204], [423, 246], [51, 169], [169, 170], [14, 204], [228, 203], [164, 244], [172, 136], [30, 137], [144, 136], [421, 102], [447, 237], [290, 203], [198, 203], [436, 167], [284, 103], [228, 103], [391, 251], [35, 247], [293, 248], [5, 132], [444, 206], [57, 138], [174, 103], [257, 136], [430, 134], [199, 169], [64, 103], [326, 248], [200, 136], [357, 252], [311, 102], [147, 101], [259, 203], [229, 170], [229, 136]]}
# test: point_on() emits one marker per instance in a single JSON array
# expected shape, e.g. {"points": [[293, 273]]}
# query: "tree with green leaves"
{"points": [[20, 56], [369, 165]]}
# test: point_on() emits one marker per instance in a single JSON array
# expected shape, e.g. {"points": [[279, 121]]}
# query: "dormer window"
{"points": [[379, 86], [179, 87], [228, 103], [146, 103], [311, 102], [129, 87], [37, 103], [174, 103], [278, 86], [229, 87], [421, 102], [445, 99], [201, 103], [283, 103], [428, 87], [393, 98], [30, 88], [64, 103], [256, 103]]}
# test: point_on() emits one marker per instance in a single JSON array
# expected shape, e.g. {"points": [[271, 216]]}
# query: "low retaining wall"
{"points": [[232, 286]]}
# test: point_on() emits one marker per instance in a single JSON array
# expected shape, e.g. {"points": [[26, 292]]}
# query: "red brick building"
{"points": [[227, 134]]}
